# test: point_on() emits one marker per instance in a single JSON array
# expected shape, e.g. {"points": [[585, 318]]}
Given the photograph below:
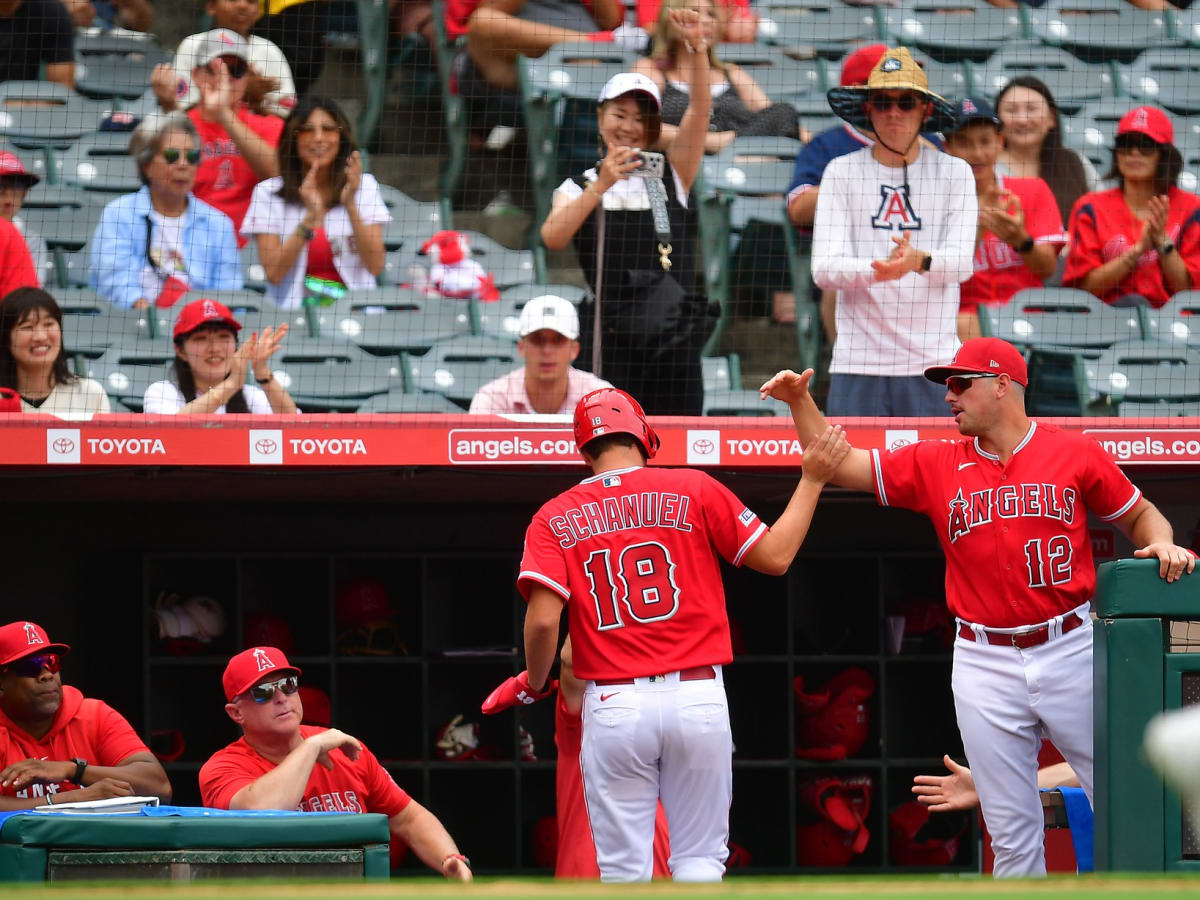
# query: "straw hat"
{"points": [[895, 71]]}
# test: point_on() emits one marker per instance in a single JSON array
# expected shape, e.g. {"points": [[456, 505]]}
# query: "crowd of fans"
{"points": [[921, 208]]}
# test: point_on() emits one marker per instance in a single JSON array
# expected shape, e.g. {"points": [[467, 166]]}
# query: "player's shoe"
{"points": [[1172, 745]]}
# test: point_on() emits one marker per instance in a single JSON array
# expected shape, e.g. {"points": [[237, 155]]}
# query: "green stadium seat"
{"points": [[332, 375], [1058, 384], [1147, 371], [830, 27], [254, 276], [391, 320], [411, 219], [46, 114], [454, 112], [408, 266], [100, 162], [109, 65], [1158, 409], [1178, 320], [780, 76], [1072, 81], [460, 366], [92, 325], [732, 402], [1060, 318], [722, 373], [953, 30], [1101, 31], [1167, 77], [65, 217], [399, 402], [125, 372], [34, 159], [946, 78]]}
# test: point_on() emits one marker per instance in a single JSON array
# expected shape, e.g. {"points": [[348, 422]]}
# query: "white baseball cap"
{"points": [[549, 311], [223, 42], [628, 82]]}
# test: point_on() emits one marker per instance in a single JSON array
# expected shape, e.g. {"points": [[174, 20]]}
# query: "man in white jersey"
{"points": [[895, 234]]}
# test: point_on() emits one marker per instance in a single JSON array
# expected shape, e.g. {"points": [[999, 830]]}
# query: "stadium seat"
{"points": [[1060, 318], [409, 266], [392, 320], [946, 78], [1178, 320], [1137, 409], [411, 219], [1167, 77], [399, 402], [46, 114], [722, 373], [34, 159], [830, 27], [254, 277], [65, 217], [126, 372], [1071, 80], [1147, 371], [1058, 383], [459, 366], [1093, 131], [731, 402], [111, 65], [500, 319], [956, 30], [1101, 31], [780, 76], [332, 375], [100, 162], [91, 325]]}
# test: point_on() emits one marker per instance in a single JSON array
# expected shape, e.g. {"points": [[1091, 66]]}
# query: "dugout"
{"points": [[92, 546]]}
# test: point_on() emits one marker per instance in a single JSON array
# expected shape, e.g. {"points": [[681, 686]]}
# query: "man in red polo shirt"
{"points": [[274, 765], [56, 743]]}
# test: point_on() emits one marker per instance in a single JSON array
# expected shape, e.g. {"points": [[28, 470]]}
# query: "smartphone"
{"points": [[650, 165]]}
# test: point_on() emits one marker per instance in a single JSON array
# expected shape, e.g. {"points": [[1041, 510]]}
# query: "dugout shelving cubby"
{"points": [[458, 619]]}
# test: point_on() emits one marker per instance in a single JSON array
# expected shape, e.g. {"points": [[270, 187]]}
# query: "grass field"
{"points": [[842, 888]]}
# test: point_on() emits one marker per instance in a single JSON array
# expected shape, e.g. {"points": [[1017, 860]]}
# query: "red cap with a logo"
{"points": [[12, 167], [247, 668], [856, 68], [204, 312], [21, 639], [983, 356], [1150, 121]]}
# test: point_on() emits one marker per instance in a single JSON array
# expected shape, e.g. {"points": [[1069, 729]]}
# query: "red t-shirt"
{"points": [[84, 727], [353, 786], [16, 263], [1102, 227], [1015, 536], [633, 553], [647, 11], [320, 258], [999, 269], [224, 179], [576, 848]]}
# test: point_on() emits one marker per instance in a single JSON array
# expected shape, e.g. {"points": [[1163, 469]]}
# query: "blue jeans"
{"points": [[885, 395]]}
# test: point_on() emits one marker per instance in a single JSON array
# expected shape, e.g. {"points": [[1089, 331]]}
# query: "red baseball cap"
{"points": [[204, 312], [983, 356], [12, 167], [856, 67], [248, 667], [21, 639], [1150, 121]]}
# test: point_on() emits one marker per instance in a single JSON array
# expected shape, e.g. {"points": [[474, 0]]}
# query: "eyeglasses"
{"points": [[31, 666], [319, 129], [882, 102], [261, 693], [1137, 143], [236, 67], [958, 384], [171, 156]]}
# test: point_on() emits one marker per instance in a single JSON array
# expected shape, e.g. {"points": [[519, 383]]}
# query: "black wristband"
{"points": [[1025, 246], [927, 262], [80, 766]]}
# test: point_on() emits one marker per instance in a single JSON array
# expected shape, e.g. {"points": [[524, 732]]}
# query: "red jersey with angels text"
{"points": [[352, 786], [1000, 271], [1103, 227], [633, 553], [83, 727], [576, 856], [1015, 536]]}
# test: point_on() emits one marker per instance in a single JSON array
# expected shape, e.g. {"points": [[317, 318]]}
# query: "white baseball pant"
{"points": [[658, 737], [1007, 700]]}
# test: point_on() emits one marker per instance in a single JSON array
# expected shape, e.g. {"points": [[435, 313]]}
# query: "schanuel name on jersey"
{"points": [[648, 509]]}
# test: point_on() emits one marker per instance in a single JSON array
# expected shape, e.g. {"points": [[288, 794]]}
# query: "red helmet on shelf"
{"points": [[916, 838], [832, 723], [362, 600]]}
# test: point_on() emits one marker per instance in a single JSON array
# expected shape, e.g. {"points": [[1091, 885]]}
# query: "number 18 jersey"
{"points": [[633, 553]]}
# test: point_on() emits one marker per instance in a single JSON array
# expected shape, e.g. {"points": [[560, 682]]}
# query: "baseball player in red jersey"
{"points": [[280, 764], [1009, 505], [632, 553]]}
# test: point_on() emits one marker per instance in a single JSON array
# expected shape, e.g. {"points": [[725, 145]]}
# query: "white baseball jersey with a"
{"points": [[899, 327]]}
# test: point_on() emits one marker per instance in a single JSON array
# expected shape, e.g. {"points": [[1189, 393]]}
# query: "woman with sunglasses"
{"points": [[319, 224], [237, 146], [1140, 241], [154, 245]]}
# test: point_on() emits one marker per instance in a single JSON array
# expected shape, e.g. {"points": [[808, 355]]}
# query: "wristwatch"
{"points": [[80, 765], [927, 262], [305, 232], [1025, 246], [1167, 248]]}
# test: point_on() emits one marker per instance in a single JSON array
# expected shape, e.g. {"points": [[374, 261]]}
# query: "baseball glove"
{"points": [[513, 691]]}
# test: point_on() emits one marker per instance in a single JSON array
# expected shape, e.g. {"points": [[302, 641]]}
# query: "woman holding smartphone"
{"points": [[634, 232]]}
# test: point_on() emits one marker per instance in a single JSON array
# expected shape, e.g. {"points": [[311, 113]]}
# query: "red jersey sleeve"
{"points": [[901, 475], [733, 526], [16, 263], [115, 740], [543, 561], [384, 795], [1188, 243], [226, 772], [1107, 491], [1084, 254], [1042, 219]]}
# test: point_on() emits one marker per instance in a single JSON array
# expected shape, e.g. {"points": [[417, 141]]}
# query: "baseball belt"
{"points": [[695, 673], [1021, 639]]}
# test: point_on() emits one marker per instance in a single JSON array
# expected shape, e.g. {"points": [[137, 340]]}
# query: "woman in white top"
{"points": [[33, 362], [210, 367], [319, 225]]}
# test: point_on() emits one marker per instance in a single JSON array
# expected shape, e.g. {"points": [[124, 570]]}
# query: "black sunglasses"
{"points": [[959, 384], [171, 155], [1137, 143], [31, 666], [237, 68], [261, 693], [882, 102]]}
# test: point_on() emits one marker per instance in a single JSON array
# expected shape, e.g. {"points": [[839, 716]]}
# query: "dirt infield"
{"points": [[843, 888]]}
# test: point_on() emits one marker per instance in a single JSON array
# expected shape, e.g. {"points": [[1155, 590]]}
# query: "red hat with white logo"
{"points": [[250, 666], [983, 356], [21, 639], [1150, 121], [204, 312], [13, 169]]}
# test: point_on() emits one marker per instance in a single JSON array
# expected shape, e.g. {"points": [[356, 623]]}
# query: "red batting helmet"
{"points": [[917, 838], [833, 723], [267, 630], [612, 411], [362, 600], [833, 830]]}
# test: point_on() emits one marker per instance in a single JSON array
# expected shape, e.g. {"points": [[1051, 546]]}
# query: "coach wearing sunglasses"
{"points": [[1140, 241], [57, 745], [280, 764], [154, 245]]}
